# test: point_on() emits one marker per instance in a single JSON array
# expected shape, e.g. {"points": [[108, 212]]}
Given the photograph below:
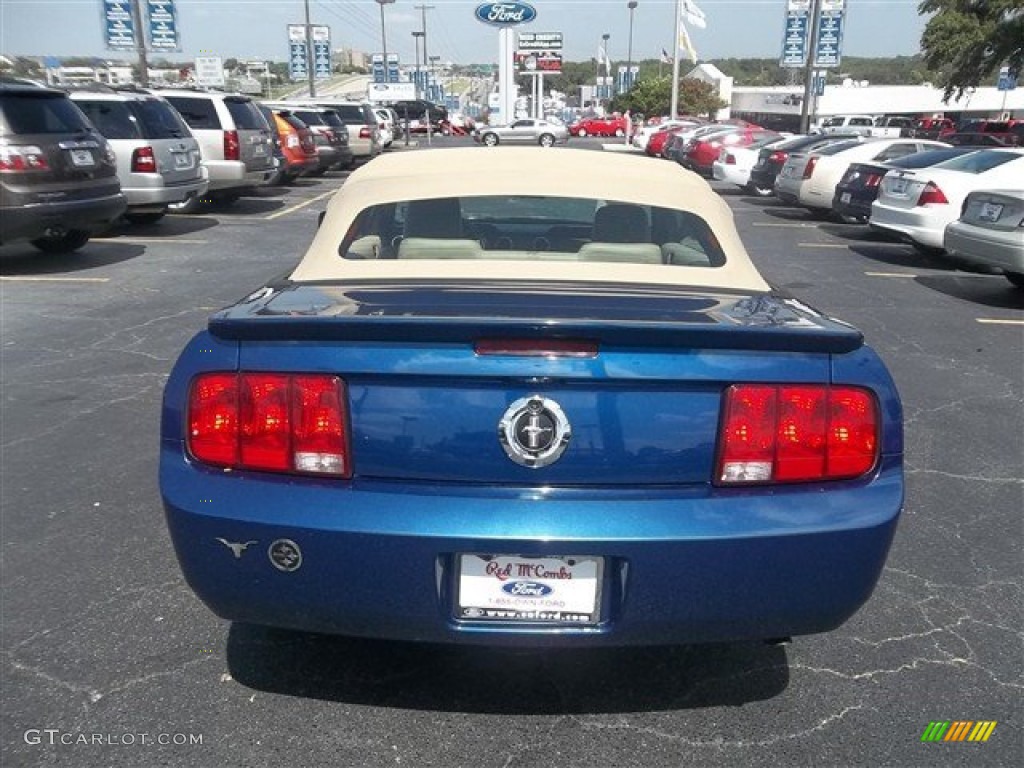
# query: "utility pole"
{"points": [[310, 62], [812, 45], [426, 62], [140, 44]]}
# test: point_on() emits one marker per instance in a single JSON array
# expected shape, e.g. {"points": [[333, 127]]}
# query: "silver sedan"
{"points": [[525, 131]]}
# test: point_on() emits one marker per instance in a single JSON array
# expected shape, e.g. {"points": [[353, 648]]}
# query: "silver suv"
{"points": [[234, 138], [363, 134], [158, 160]]}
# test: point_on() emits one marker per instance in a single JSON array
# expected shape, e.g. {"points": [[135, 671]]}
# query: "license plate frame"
{"points": [[82, 158], [182, 161], [845, 198], [990, 212], [899, 186], [552, 590]]}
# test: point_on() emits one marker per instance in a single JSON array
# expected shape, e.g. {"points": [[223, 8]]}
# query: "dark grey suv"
{"points": [[58, 180]]}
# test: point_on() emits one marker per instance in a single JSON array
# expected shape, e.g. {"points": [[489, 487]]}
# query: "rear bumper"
{"points": [[33, 220], [233, 174], [977, 245], [683, 566], [859, 207], [910, 225], [166, 194]]}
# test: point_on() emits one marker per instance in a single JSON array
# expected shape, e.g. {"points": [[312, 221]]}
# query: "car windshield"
{"points": [[979, 162], [26, 113], [927, 158], [112, 118], [309, 116], [158, 120], [331, 118], [349, 113], [199, 113], [245, 115], [531, 228]]}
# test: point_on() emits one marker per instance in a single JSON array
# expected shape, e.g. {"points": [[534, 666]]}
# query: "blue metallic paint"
{"points": [[686, 561]]}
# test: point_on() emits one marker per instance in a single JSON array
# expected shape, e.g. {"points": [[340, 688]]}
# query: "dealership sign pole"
{"points": [[505, 16]]}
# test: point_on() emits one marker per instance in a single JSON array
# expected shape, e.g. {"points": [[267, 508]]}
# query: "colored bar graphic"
{"points": [[959, 730]]}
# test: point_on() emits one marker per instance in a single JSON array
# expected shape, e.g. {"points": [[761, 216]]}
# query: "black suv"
{"points": [[58, 178]]}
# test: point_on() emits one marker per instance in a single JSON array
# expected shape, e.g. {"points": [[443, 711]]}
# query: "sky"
{"points": [[257, 29]]}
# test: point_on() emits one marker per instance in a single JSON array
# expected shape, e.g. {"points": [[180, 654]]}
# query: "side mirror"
{"points": [[320, 218]]}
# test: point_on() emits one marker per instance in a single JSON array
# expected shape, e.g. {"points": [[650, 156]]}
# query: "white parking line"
{"points": [[303, 204], [890, 274], [998, 321], [788, 225], [42, 279], [149, 240]]}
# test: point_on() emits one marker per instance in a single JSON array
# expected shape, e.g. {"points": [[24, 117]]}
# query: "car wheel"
{"points": [[619, 133], [547, 140], [490, 139], [582, 133], [145, 218], [1017, 278], [66, 243]]}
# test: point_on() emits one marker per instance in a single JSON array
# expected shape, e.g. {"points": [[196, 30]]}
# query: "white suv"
{"points": [[158, 160], [234, 137]]}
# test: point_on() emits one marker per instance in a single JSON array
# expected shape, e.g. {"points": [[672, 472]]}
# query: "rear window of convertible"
{"points": [[532, 228]]}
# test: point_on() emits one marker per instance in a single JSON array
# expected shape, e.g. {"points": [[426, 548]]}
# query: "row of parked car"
{"points": [[72, 163], [965, 201]]}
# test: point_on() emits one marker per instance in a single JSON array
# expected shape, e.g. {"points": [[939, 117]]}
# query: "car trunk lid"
{"points": [[432, 369]]}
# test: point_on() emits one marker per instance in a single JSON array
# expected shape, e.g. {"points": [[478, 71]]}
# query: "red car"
{"points": [[702, 153], [599, 126], [656, 144]]}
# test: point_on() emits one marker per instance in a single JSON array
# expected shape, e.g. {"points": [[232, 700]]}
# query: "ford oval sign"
{"points": [[526, 589], [505, 14]]}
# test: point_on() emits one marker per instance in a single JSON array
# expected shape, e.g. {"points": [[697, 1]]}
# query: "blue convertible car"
{"points": [[526, 397]]}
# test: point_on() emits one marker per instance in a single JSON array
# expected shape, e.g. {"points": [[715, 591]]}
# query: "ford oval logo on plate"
{"points": [[505, 14], [526, 589]]}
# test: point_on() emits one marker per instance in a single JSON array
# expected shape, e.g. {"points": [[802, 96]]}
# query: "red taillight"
{"points": [[143, 160], [809, 168], [270, 422], [931, 194], [364, 132], [232, 149], [873, 180], [798, 433], [778, 157], [22, 159], [730, 159]]}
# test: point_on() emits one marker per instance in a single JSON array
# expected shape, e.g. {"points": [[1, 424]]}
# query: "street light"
{"points": [[607, 58], [629, 57], [384, 37], [417, 35]]}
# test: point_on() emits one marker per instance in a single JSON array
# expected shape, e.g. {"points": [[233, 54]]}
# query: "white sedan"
{"points": [[735, 163], [916, 205], [990, 232], [809, 179]]}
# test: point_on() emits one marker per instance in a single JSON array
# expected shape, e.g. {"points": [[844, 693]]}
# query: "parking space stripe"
{"points": [[787, 225], [890, 274], [45, 279], [997, 321], [152, 240], [303, 204]]}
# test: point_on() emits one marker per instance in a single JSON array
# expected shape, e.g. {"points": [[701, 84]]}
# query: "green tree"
{"points": [[967, 41], [653, 96]]}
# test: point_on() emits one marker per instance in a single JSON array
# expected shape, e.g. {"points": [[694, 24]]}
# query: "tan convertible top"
{"points": [[479, 171]]}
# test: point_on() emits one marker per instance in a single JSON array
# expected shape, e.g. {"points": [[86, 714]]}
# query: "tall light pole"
{"points": [[310, 71], [384, 37], [607, 59], [417, 34], [629, 56]]}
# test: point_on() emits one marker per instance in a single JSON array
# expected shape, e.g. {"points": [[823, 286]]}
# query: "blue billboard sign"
{"points": [[829, 42], [163, 25], [297, 68], [393, 76], [794, 42], [377, 68], [321, 59], [1007, 79], [118, 25]]}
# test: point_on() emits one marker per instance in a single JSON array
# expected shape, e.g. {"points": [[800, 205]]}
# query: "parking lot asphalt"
{"points": [[107, 654]]}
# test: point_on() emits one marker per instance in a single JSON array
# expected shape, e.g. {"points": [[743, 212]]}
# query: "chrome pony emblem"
{"points": [[534, 431]]}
